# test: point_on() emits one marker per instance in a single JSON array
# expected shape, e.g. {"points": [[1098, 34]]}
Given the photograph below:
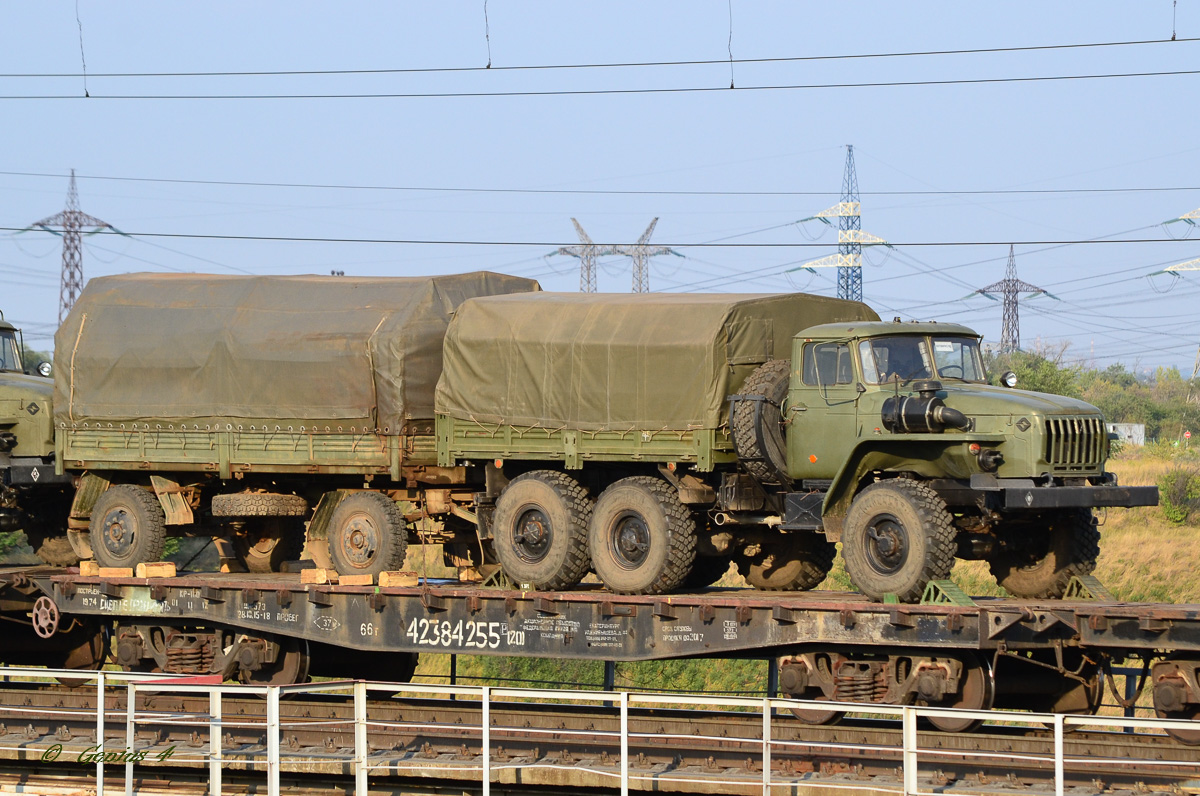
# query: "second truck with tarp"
{"points": [[651, 439]]}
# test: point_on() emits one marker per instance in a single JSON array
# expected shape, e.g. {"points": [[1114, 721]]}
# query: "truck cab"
{"points": [[32, 497], [894, 443]]}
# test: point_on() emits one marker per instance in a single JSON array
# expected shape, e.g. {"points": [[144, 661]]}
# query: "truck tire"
{"points": [[367, 535], [642, 538], [539, 530], [897, 537], [127, 527], [1067, 544], [758, 435], [258, 504], [797, 562], [266, 544]]}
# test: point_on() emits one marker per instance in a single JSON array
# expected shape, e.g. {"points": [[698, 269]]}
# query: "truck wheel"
{"points": [[758, 424], [127, 527], [642, 539], [367, 535], [539, 530], [797, 562], [1041, 560], [267, 544], [258, 504], [897, 537]]}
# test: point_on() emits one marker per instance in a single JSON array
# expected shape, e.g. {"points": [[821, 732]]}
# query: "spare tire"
{"points": [[259, 504], [757, 420]]}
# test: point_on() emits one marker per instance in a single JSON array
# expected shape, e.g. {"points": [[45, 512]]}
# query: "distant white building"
{"points": [[1129, 433]]}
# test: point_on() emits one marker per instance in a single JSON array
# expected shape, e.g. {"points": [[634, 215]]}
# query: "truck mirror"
{"points": [[43, 369], [1009, 379]]}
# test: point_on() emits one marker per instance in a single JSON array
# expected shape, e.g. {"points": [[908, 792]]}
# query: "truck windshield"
{"points": [[958, 358], [10, 353], [907, 357]]}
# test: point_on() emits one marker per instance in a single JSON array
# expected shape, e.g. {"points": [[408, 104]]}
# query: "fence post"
{"points": [[910, 750], [214, 742], [1058, 754], [130, 733], [360, 738], [766, 755], [100, 683], [624, 743], [486, 741], [272, 740]]}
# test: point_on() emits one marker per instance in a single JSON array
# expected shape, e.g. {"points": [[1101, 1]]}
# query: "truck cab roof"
{"points": [[879, 328]]}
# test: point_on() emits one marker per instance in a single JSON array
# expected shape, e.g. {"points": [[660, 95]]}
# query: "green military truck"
{"points": [[652, 439], [655, 438], [248, 407], [33, 498]]}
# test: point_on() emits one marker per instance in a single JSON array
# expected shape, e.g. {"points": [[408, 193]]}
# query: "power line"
{"points": [[611, 91], [602, 191], [556, 244], [623, 65]]}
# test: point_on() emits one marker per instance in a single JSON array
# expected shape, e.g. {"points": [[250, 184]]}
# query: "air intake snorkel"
{"points": [[922, 413]]}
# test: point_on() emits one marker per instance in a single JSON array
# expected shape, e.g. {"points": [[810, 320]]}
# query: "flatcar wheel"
{"points": [[818, 716], [976, 691], [1170, 696], [290, 666], [89, 655]]}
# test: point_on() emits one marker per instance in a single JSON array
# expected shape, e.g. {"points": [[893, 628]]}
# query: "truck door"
{"points": [[821, 411]]}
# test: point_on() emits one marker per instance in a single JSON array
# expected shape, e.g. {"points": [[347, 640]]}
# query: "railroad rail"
{"points": [[380, 735]]}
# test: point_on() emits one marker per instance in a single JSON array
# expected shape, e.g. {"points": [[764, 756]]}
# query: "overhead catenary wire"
{"points": [[723, 245], [604, 191], [611, 65], [613, 91]]}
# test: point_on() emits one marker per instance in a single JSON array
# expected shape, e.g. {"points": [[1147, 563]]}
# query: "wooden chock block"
{"points": [[115, 572], [89, 569], [318, 575], [356, 580], [398, 579], [159, 569]]}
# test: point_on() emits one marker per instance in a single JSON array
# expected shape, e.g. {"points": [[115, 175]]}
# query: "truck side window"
{"points": [[827, 363]]}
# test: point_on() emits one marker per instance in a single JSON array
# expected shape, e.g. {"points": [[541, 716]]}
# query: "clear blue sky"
{"points": [[1117, 133]]}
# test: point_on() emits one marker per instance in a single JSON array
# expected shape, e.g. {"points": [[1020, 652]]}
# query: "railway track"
{"points": [[421, 741]]}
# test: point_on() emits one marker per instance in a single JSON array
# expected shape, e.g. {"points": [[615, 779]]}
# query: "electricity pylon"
{"points": [[587, 251], [72, 220], [1010, 288], [640, 253], [851, 238]]}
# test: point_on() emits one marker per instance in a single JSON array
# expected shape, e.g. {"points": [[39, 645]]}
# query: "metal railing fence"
{"points": [[362, 762]]}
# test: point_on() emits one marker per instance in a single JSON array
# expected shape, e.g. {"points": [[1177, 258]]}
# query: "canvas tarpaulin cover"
{"points": [[618, 361], [202, 347]]}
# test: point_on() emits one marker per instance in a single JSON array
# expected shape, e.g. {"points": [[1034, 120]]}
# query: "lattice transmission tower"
{"points": [[851, 238], [72, 222], [640, 253], [1010, 288]]}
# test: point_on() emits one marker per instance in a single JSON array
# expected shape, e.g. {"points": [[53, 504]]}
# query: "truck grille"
{"points": [[1075, 443]]}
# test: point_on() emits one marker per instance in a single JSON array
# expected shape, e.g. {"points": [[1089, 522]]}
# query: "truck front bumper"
{"points": [[1062, 497], [1017, 494]]}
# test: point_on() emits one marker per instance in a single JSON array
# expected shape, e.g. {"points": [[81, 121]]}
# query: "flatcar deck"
{"points": [[591, 623]]}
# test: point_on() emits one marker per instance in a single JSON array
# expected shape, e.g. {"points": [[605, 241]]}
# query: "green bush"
{"points": [[1179, 493]]}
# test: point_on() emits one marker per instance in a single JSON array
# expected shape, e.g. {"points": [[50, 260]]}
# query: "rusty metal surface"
{"points": [[591, 623]]}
